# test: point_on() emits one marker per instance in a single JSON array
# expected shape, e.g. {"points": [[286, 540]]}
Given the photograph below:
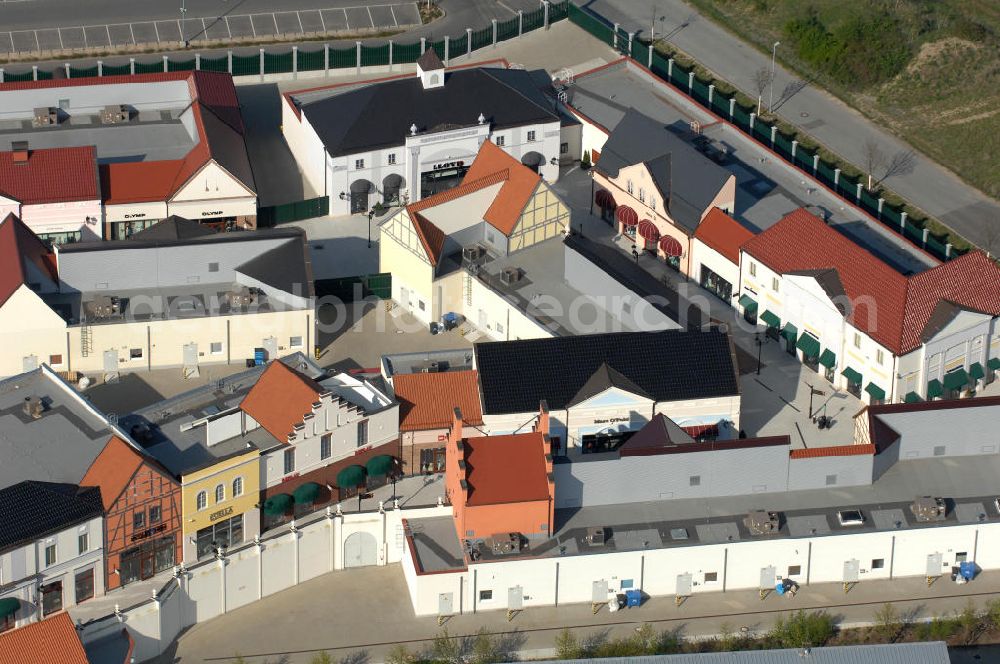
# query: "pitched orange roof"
{"points": [[834, 450], [18, 246], [723, 234], [52, 640], [430, 236], [428, 400], [113, 469], [139, 181], [281, 399], [518, 187], [506, 469]]}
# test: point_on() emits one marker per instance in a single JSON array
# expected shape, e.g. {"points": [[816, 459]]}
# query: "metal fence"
{"points": [[704, 92], [280, 214], [352, 289]]}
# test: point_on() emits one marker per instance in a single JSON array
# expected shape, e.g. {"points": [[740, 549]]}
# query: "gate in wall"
{"points": [[360, 550]]}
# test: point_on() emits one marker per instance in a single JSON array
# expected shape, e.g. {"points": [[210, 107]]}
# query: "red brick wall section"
{"points": [[148, 487]]}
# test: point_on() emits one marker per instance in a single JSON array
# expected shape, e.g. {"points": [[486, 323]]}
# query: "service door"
{"points": [[852, 570], [767, 577], [515, 598], [934, 562], [271, 348], [29, 363], [190, 355], [446, 604], [599, 592], [360, 550], [684, 583], [404, 297]]}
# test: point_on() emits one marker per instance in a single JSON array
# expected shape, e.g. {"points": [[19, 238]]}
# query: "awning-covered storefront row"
{"points": [[306, 494], [828, 359], [808, 344], [277, 505], [748, 303], [380, 465], [851, 375], [875, 391], [770, 319], [956, 380], [351, 477], [627, 216], [648, 231], [790, 332], [671, 247], [934, 389]]}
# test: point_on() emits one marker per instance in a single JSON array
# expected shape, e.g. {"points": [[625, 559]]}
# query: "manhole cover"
{"points": [[803, 115]]}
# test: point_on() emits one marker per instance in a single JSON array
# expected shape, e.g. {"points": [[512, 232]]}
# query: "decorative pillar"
{"points": [[670, 69], [494, 34], [902, 222], [774, 134], [166, 63], [468, 41], [100, 68], [711, 94], [691, 82], [197, 61], [357, 55], [131, 65], [795, 148], [545, 4], [520, 22], [815, 163], [836, 177], [753, 119], [229, 62], [732, 107], [261, 64], [857, 195], [447, 49], [34, 72], [295, 62], [67, 70], [326, 59]]}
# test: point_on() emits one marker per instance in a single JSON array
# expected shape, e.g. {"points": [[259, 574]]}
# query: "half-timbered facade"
{"points": [[500, 208], [142, 513]]}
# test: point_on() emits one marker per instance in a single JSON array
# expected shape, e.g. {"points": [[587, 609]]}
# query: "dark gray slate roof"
{"points": [[30, 510], [228, 147], [671, 365], [380, 115], [172, 228], [604, 378], [687, 179], [430, 60], [657, 434]]}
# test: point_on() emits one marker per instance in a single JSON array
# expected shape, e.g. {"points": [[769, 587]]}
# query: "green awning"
{"points": [[912, 397], [851, 375], [934, 389], [380, 465], [351, 477], [808, 344], [875, 391], [976, 371], [748, 303], [9, 606], [277, 504], [994, 363], [770, 319], [790, 332], [828, 359], [305, 494], [956, 380]]}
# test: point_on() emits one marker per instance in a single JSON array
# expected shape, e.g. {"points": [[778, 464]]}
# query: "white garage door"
{"points": [[360, 550]]}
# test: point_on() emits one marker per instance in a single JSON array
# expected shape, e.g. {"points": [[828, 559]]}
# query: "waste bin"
{"points": [[967, 570], [633, 598]]}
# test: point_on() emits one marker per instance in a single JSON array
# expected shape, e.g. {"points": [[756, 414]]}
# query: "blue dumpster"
{"points": [[259, 356], [633, 598], [967, 570]]}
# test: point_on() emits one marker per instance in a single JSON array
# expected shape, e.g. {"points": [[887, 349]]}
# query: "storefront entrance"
{"points": [[605, 442], [147, 560], [224, 535], [716, 285], [123, 230], [52, 597], [432, 461], [442, 178]]}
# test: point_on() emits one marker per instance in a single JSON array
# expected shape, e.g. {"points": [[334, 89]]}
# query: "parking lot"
{"points": [[341, 20]]}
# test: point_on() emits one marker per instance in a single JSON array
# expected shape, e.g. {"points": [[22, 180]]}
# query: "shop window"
{"points": [[202, 500], [432, 460], [878, 563], [295, 342], [138, 520], [222, 535], [711, 577], [531, 136], [499, 140], [50, 555], [362, 432], [237, 487], [220, 493], [324, 447], [215, 348], [155, 514], [794, 570], [52, 599], [55, 359], [289, 461], [84, 585], [83, 543], [135, 353], [485, 595]]}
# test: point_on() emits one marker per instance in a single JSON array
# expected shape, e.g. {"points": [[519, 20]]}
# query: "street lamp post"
{"points": [[760, 345], [183, 13], [774, 54]]}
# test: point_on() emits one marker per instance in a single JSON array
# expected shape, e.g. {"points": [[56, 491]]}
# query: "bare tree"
{"points": [[761, 79], [881, 166], [900, 163], [875, 159]]}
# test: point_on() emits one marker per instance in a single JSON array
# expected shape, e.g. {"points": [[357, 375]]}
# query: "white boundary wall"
{"points": [[253, 572]]}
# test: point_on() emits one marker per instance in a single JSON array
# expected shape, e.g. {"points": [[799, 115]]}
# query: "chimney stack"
{"points": [[20, 150]]}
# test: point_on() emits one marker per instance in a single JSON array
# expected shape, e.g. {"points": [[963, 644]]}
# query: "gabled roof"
{"points": [[891, 308], [506, 469], [428, 400], [172, 228], [519, 184], [54, 639], [19, 246], [113, 469], [669, 365], [380, 114], [281, 399], [431, 237], [31, 509], [54, 175], [430, 61], [688, 180], [605, 378], [659, 433], [723, 234]]}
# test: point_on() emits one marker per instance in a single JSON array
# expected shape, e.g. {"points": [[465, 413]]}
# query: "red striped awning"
{"points": [[648, 231], [702, 430], [604, 199], [671, 247], [627, 215]]}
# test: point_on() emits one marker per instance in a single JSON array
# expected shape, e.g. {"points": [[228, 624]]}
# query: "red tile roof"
{"points": [[506, 469], [52, 640], [280, 399], [113, 469], [55, 175], [428, 400], [139, 181], [723, 234], [519, 185], [833, 450], [430, 236], [889, 307], [18, 247]]}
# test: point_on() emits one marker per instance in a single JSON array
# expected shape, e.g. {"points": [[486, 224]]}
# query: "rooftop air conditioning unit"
{"points": [[102, 306], [33, 407], [473, 254], [929, 508], [504, 543], [115, 114], [596, 536], [45, 116], [430, 366], [762, 522], [510, 275], [241, 296]]}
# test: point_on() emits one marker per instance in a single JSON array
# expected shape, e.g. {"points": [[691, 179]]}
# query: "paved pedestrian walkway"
{"points": [[365, 612]]}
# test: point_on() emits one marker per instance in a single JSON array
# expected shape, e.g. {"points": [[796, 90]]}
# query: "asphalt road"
{"points": [[928, 185]]}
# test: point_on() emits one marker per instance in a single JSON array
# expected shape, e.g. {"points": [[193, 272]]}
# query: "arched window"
{"points": [[435, 79], [202, 500], [220, 493], [238, 487]]}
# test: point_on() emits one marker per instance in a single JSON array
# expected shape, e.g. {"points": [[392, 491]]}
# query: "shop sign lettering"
{"points": [[224, 512]]}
